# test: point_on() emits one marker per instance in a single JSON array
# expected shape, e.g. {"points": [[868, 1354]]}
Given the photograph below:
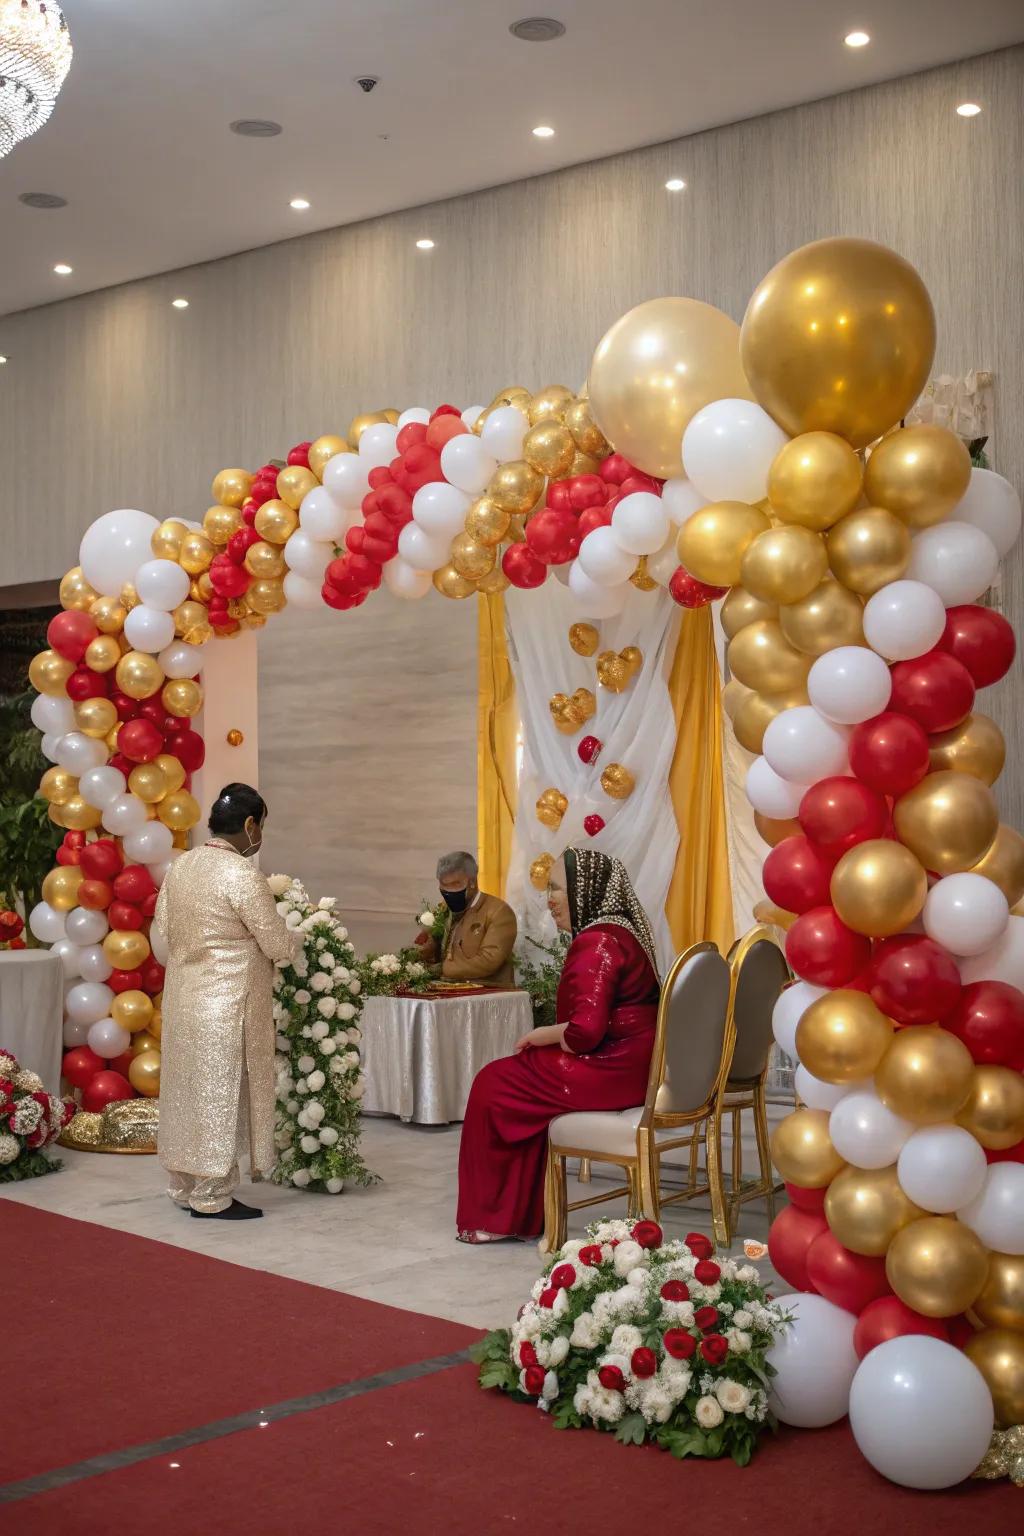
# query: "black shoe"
{"points": [[236, 1211]]}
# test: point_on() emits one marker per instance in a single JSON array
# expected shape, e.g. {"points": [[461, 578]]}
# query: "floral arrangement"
{"points": [[541, 977], [12, 926], [317, 1007], [30, 1118], [383, 975], [655, 1341], [434, 921]]}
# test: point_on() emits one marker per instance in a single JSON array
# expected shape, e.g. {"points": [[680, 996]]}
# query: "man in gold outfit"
{"points": [[481, 931]]}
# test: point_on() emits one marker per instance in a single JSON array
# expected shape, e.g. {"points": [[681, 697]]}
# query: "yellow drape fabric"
{"points": [[699, 904], [497, 730]]}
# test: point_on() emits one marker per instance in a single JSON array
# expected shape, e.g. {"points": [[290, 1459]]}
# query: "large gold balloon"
{"points": [[219, 523], [868, 549], [231, 486], [189, 617], [515, 487], [79, 816], [57, 786], [949, 821], [976, 746], [802, 1149], [761, 657], [550, 404], [172, 769], [741, 608], [495, 581], [138, 674], [878, 888], [617, 782], [994, 1110], [925, 1075], [144, 1074], [265, 561], [587, 435], [182, 697], [179, 810], [487, 523], [999, 1355], [95, 717], [102, 654], [48, 673], [294, 482], [711, 544], [1003, 864], [166, 540], [733, 695], [196, 553], [842, 1036], [755, 713], [148, 782], [1001, 1303], [108, 614], [866, 1207], [919, 474], [144, 1039], [784, 565], [839, 337], [450, 583], [815, 480], [126, 948], [132, 1010], [75, 591], [654, 370], [266, 595], [937, 1266], [323, 450], [60, 887], [773, 831], [276, 521], [471, 558], [549, 448], [827, 617]]}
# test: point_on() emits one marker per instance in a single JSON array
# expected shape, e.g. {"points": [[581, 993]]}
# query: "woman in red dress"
{"points": [[597, 1058]]}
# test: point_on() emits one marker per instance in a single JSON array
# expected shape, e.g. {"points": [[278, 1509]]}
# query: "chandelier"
{"points": [[35, 56]]}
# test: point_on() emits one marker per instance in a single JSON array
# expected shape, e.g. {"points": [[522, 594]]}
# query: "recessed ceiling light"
{"points": [[543, 132], [857, 39], [42, 200], [675, 184], [424, 245], [537, 29], [968, 109], [179, 303], [62, 269], [300, 204], [256, 128], [2, 359]]}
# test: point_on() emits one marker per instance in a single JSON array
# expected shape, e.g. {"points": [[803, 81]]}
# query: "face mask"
{"points": [[456, 900], [250, 847]]}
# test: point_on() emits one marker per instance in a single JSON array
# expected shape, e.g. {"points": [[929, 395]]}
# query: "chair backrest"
{"points": [[760, 972], [693, 1034]]}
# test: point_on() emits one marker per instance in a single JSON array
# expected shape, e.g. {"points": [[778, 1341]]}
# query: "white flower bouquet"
{"points": [[30, 1119]]}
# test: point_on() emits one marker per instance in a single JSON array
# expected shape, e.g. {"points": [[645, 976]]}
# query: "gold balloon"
{"points": [[827, 617], [148, 782], [293, 483], [1001, 1303], [842, 1036], [138, 674], [741, 608], [179, 811], [999, 1355], [733, 695], [515, 487], [450, 583], [839, 337], [276, 521], [111, 737], [265, 561], [925, 1075], [60, 887], [126, 948], [156, 1022], [584, 704], [936, 1265], [755, 713], [487, 523], [878, 888], [231, 487], [128, 596], [919, 474], [79, 815], [57, 786], [654, 370], [494, 582], [517, 395], [815, 480], [633, 657], [166, 540], [994, 1111], [132, 1010], [584, 464], [774, 832], [190, 616], [584, 638], [144, 1074], [144, 1040], [587, 435], [551, 807], [75, 591], [866, 1207], [949, 821], [172, 773], [784, 565], [614, 671], [95, 717], [48, 673], [976, 746], [471, 558], [219, 523], [711, 544], [108, 614], [868, 549], [516, 530], [802, 1149], [774, 917], [1003, 864], [550, 404], [201, 588], [549, 448], [324, 449], [196, 553], [641, 579], [617, 782], [102, 654], [540, 871], [391, 413], [266, 595], [359, 424], [761, 657]]}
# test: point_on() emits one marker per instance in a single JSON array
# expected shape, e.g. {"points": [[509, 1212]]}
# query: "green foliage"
{"points": [[540, 977], [29, 1164], [28, 839]]}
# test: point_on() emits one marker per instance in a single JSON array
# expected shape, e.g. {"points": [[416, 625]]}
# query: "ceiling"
{"points": [[139, 142]]}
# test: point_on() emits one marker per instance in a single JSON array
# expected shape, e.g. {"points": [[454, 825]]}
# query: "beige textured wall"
{"points": [[117, 399]]}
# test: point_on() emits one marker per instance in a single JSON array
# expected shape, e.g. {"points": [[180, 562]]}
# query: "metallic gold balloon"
{"points": [[144, 1074], [219, 523], [57, 786], [182, 697], [976, 746], [802, 1149], [515, 487], [359, 424], [48, 673], [587, 435], [149, 782], [1001, 1303], [1003, 864], [324, 449], [550, 404], [654, 370], [196, 553], [878, 888], [775, 917], [866, 1207], [936, 1265], [179, 811], [201, 588], [784, 565], [815, 480], [517, 395], [640, 578], [494, 582], [617, 782], [584, 703], [949, 821], [762, 658], [551, 807], [565, 713], [138, 674], [868, 549], [741, 608], [540, 871], [774, 832], [614, 671], [584, 464], [919, 474], [108, 614], [827, 617], [471, 558], [487, 523], [95, 717], [231, 487], [733, 695], [633, 657], [294, 482], [60, 887], [144, 1040], [450, 583], [925, 1075], [129, 597], [234, 738], [111, 737], [549, 448], [755, 713], [102, 654], [711, 544], [999, 1355], [75, 591], [265, 561], [842, 1036], [276, 521], [132, 1010], [79, 815], [189, 616], [994, 1110], [839, 337], [584, 638], [156, 1022], [166, 540], [266, 595], [517, 530]]}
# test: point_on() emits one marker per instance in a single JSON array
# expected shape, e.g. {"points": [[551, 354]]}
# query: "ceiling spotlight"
{"points": [[42, 200], [857, 39], [537, 29], [424, 245], [543, 132], [179, 303], [2, 359], [62, 269], [256, 128], [300, 204], [675, 184], [968, 109]]}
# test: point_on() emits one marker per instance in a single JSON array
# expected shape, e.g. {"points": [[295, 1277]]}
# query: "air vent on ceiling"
{"points": [[256, 128], [537, 29], [42, 200]]}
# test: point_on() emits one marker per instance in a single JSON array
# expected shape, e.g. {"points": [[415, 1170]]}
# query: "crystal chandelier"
{"points": [[35, 56]]}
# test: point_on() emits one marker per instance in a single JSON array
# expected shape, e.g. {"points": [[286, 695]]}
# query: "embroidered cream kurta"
{"points": [[223, 934]]}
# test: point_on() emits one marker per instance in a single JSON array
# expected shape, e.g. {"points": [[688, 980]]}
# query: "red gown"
{"points": [[608, 995]]}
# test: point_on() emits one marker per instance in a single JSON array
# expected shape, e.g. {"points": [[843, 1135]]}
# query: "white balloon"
{"points": [[377, 445], [1003, 961], [769, 793], [404, 580], [78, 753], [114, 547], [345, 482], [75, 1034], [70, 957], [640, 523], [93, 963], [46, 923], [321, 518], [594, 601], [941, 1167], [681, 499], [956, 560], [802, 746], [158, 944], [85, 925], [124, 814], [440, 510], [50, 714], [161, 584], [991, 504], [49, 744], [503, 432], [663, 564], [421, 550], [814, 1360], [470, 415], [728, 449], [181, 660], [849, 684], [108, 1039], [996, 1214], [865, 1131], [790, 1007], [810, 1090], [604, 560], [967, 913], [98, 786], [466, 463], [88, 1001], [903, 619], [415, 413], [307, 555], [301, 592], [149, 629], [149, 843]]}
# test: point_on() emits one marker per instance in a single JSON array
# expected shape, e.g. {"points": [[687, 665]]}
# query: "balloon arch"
{"points": [[769, 466]]}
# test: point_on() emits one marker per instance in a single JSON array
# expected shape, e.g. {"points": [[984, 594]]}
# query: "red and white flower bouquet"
{"points": [[30, 1119]]}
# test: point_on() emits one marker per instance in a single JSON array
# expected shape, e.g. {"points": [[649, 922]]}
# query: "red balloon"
{"points": [[889, 753], [105, 1088], [70, 633], [140, 740], [822, 950], [188, 747], [847, 1280], [594, 517], [133, 884], [74, 839], [81, 1065], [412, 433], [67, 855], [122, 914], [589, 749], [587, 491], [227, 578], [960, 1330], [152, 974], [688, 592], [422, 466], [341, 598], [982, 640], [147, 905], [796, 875], [792, 1234], [101, 860], [594, 824], [615, 469], [395, 504], [913, 979], [935, 689], [889, 1318], [838, 813], [443, 428], [122, 1063], [300, 454], [366, 573], [807, 1199], [989, 1019], [86, 684], [559, 495], [127, 708], [95, 894], [522, 567], [239, 542], [553, 537], [1014, 1154], [125, 981]]}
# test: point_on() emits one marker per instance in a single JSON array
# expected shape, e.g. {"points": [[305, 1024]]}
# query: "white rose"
{"points": [[327, 1047], [327, 903], [278, 884], [320, 1030], [742, 1318], [283, 908], [346, 1011], [300, 965], [656, 1403], [426, 919], [628, 1255], [328, 1136], [558, 1350], [585, 1331], [305, 1032], [305, 1064], [301, 1177], [282, 1042], [355, 986], [636, 1277], [292, 1106], [625, 1339], [315, 1111], [733, 1396], [282, 1139], [334, 1186], [327, 1007], [319, 981], [560, 1305], [739, 1341], [307, 922], [321, 942], [549, 1391], [302, 997], [709, 1412], [301, 1086], [316, 1080], [353, 1036], [293, 920], [309, 1144], [340, 932], [358, 1089]]}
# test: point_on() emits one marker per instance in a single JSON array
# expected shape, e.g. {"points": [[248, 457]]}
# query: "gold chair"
{"points": [[759, 972], [689, 1066]]}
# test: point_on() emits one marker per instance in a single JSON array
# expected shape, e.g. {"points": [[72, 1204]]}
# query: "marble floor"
{"points": [[393, 1243]]}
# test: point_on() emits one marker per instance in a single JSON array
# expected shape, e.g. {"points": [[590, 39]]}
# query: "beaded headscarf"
{"points": [[600, 891]]}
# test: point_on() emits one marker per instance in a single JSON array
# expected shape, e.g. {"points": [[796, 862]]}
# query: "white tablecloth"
{"points": [[420, 1056], [32, 1011]]}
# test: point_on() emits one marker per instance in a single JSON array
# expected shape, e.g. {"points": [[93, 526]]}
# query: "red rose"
{"points": [[648, 1234], [679, 1344], [675, 1290], [547, 1298], [527, 1353], [643, 1362], [591, 1255], [705, 1318], [707, 1271], [700, 1246], [612, 1378], [714, 1348], [533, 1381], [562, 1276]]}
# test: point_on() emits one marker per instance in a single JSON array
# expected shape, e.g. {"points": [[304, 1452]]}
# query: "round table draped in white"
{"points": [[32, 1011]]}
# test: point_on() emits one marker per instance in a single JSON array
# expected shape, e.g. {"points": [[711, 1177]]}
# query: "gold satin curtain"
{"points": [[497, 729]]}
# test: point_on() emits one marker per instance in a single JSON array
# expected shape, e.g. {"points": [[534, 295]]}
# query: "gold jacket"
{"points": [[479, 943]]}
